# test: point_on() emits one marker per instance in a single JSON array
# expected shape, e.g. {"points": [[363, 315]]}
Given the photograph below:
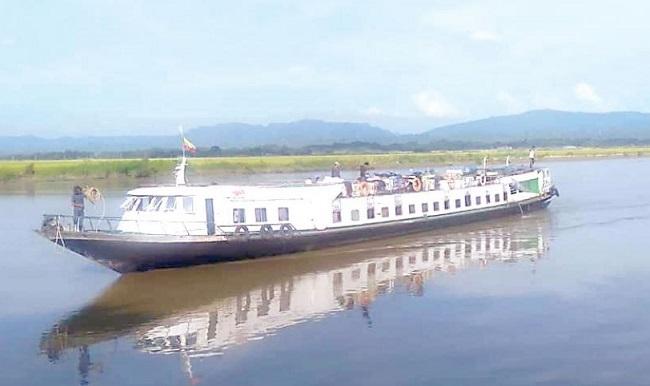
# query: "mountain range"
{"points": [[538, 126]]}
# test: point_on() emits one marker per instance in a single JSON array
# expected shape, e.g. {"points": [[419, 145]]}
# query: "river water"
{"points": [[557, 297]]}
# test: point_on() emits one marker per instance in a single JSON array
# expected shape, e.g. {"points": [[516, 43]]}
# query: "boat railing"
{"points": [[92, 224]]}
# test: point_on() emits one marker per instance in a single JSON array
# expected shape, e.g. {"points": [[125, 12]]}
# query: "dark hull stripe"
{"points": [[126, 253]]}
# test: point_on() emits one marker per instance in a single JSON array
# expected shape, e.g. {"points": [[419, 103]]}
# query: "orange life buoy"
{"points": [[416, 183], [364, 189]]}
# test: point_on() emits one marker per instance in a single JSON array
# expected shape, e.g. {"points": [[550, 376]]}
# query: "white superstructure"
{"points": [[328, 204]]}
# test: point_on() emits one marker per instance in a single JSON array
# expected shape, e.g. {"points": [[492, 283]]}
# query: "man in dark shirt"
{"points": [[363, 170], [78, 208]]}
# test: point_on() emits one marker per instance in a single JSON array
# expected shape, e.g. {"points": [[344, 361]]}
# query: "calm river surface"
{"points": [[558, 297]]}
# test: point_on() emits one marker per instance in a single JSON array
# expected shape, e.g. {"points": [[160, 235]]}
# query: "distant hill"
{"points": [[291, 134], [541, 127], [548, 125], [227, 135]]}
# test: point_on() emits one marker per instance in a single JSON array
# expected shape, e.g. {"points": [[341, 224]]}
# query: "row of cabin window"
{"points": [[159, 204], [239, 215], [370, 213]]}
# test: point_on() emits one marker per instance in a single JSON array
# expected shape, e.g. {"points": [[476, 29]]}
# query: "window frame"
{"points": [[189, 199], [261, 215], [336, 215], [283, 213], [239, 215]]}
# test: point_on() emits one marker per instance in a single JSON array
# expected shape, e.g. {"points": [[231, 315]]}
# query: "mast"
{"points": [[179, 171]]}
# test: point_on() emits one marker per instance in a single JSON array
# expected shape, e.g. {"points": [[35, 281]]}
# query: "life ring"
{"points": [[242, 230], [92, 194], [416, 184], [364, 189]]}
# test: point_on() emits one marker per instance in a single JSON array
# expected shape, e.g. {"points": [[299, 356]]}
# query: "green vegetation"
{"points": [[142, 168]]}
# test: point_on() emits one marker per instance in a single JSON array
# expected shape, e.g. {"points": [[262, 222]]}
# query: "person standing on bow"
{"points": [[78, 206], [531, 156]]}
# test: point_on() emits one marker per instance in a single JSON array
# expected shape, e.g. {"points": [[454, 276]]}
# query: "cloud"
{"points": [[7, 42], [512, 104], [586, 93], [469, 21], [372, 111], [484, 36], [432, 104]]}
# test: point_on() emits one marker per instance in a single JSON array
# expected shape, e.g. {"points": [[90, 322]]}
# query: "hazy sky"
{"points": [[141, 67]]}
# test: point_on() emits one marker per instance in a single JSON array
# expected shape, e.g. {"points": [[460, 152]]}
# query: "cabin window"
{"points": [[468, 200], [354, 215], [411, 208], [458, 203], [128, 203], [425, 207], [283, 214], [239, 215], [260, 215], [170, 206], [137, 204], [336, 215], [505, 196], [447, 205], [497, 198], [188, 204], [478, 200], [487, 198], [398, 210], [370, 213], [154, 203], [384, 211], [436, 205]]}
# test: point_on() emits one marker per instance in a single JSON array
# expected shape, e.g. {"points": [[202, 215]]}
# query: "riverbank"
{"points": [[56, 170]]}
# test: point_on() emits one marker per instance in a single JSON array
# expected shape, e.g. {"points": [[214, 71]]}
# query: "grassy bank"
{"points": [[134, 168]]}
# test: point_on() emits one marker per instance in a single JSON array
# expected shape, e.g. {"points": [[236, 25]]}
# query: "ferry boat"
{"points": [[181, 225]]}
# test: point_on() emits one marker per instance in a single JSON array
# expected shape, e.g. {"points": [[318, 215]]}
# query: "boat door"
{"points": [[209, 215]]}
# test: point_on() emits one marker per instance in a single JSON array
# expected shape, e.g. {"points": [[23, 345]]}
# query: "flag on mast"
{"points": [[188, 146]]}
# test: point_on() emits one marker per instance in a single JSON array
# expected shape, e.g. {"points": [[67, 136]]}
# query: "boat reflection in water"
{"points": [[201, 311]]}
